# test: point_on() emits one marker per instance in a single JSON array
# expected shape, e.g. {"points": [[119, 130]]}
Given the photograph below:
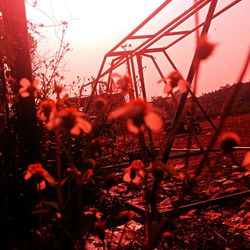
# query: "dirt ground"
{"points": [[223, 226]]}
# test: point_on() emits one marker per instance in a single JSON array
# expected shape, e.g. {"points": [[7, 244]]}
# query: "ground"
{"points": [[221, 226]]}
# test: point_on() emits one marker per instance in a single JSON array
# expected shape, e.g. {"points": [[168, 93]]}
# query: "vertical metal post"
{"points": [[139, 63], [191, 73], [109, 86], [134, 77], [131, 93], [140, 70]]}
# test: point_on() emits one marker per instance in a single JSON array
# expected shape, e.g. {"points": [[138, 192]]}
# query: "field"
{"points": [[220, 225]]}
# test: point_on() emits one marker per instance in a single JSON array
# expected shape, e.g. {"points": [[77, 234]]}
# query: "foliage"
{"points": [[95, 187], [211, 102]]}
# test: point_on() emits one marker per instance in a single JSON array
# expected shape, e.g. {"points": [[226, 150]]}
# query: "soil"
{"points": [[221, 226]]}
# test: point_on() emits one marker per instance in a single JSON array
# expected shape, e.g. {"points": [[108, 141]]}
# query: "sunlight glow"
{"points": [[96, 26]]}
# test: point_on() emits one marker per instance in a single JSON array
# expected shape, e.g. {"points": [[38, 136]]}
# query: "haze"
{"points": [[96, 26]]}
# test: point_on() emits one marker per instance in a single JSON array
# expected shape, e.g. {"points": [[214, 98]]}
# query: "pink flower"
{"points": [[27, 88], [205, 48], [71, 120], [47, 112], [34, 169], [37, 169], [58, 89], [124, 82], [82, 177], [93, 212], [174, 80], [86, 176], [135, 172], [41, 185], [139, 114], [100, 104]]}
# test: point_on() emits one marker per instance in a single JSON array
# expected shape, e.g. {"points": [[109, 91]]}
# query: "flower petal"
{"points": [[50, 124], [131, 127], [246, 161], [23, 92], [153, 121], [35, 83], [118, 112], [40, 115], [48, 178], [75, 130], [27, 175], [126, 177], [205, 48], [84, 125], [136, 180], [183, 86], [168, 88], [24, 82], [41, 185]]}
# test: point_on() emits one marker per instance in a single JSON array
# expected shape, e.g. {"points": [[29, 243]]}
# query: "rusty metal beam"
{"points": [[171, 25], [193, 68], [134, 77], [146, 41], [197, 205], [155, 64], [161, 7], [140, 70], [169, 29], [201, 24]]}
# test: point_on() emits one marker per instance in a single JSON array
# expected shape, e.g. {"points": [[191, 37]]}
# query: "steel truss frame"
{"points": [[146, 47], [122, 53]]}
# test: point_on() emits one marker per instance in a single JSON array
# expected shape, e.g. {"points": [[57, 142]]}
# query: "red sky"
{"points": [[96, 26]]}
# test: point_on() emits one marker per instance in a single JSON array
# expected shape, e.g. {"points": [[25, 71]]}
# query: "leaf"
{"points": [[165, 205], [211, 215], [228, 182], [185, 217], [231, 189]]}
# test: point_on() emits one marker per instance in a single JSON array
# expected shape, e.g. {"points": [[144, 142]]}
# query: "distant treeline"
{"points": [[212, 102]]}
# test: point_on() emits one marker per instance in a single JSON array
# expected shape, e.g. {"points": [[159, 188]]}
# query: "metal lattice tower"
{"points": [[139, 44]]}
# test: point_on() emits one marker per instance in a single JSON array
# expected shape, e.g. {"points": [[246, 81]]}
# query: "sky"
{"points": [[96, 26]]}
